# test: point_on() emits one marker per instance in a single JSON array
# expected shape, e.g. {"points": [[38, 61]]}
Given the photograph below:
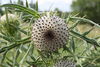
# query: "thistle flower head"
{"points": [[64, 63], [8, 27], [50, 33], [11, 19]]}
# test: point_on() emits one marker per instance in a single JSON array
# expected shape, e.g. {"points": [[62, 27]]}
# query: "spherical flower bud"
{"points": [[50, 33], [64, 63], [9, 27]]}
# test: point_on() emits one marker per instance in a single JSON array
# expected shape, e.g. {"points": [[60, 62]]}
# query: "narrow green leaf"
{"points": [[19, 29], [10, 61], [3, 42], [87, 32], [33, 58], [9, 64], [4, 56], [36, 7], [17, 53], [24, 39], [27, 4], [6, 10], [24, 9], [30, 63], [68, 50], [27, 52], [6, 38], [85, 20], [8, 47], [74, 25], [13, 45], [72, 44], [91, 41]]}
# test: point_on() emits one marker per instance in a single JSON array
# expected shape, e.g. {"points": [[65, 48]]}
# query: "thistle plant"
{"points": [[64, 63], [50, 33], [9, 28]]}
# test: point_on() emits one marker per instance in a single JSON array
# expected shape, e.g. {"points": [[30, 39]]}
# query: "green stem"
{"points": [[21, 62], [13, 46]]}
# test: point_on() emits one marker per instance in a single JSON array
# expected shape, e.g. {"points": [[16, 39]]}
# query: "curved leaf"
{"points": [[22, 8], [86, 20], [88, 40]]}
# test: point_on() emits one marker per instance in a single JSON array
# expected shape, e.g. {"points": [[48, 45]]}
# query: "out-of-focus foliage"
{"points": [[60, 13], [93, 59], [89, 8], [20, 2], [1, 11], [10, 27]]}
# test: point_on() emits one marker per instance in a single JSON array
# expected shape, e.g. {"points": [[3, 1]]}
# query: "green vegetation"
{"points": [[21, 52], [91, 9]]}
